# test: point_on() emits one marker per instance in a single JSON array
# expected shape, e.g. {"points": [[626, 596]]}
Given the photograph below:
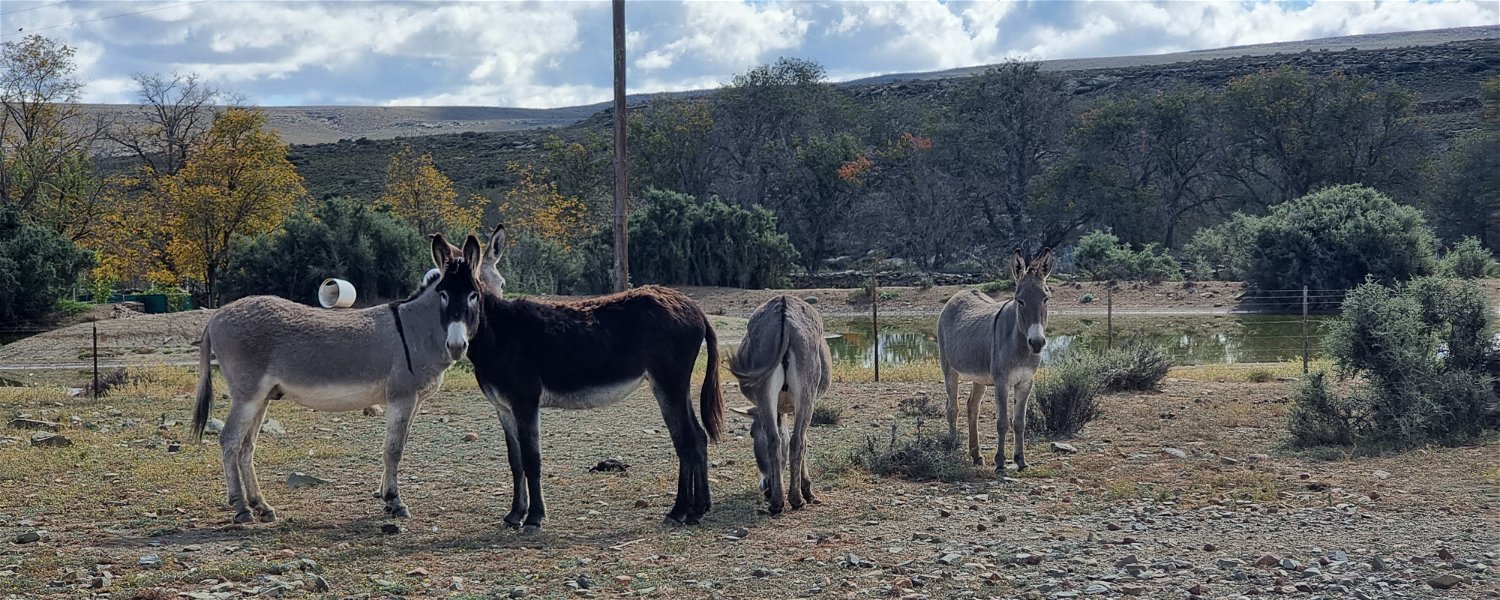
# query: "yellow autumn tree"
{"points": [[535, 206], [236, 182], [418, 193]]}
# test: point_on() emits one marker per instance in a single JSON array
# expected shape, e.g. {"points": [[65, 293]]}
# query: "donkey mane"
{"points": [[564, 313]]}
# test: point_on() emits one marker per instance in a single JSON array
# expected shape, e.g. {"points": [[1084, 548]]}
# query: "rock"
{"points": [[150, 561], [739, 533], [518, 592], [471, 437], [1446, 581], [316, 583], [760, 572], [272, 426], [1174, 452], [1198, 590], [642, 503], [50, 440], [951, 558], [34, 424], [299, 479], [374, 411], [29, 537], [417, 572], [1229, 461], [390, 529], [101, 581], [1377, 564], [1127, 561], [1208, 548], [213, 427], [1132, 590], [174, 446], [611, 465], [1267, 560], [1230, 563], [1258, 457], [1380, 474], [1064, 448], [811, 299], [624, 580], [1444, 554], [1291, 564], [584, 582], [1096, 588], [1112, 526]]}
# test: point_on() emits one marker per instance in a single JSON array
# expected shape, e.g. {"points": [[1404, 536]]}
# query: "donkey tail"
{"points": [[711, 402], [757, 357], [205, 385]]}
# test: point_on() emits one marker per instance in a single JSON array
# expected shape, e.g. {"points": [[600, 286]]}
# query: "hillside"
{"points": [[1445, 76]]}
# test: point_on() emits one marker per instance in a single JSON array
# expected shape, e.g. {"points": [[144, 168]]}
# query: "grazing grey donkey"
{"points": [[996, 344], [783, 366], [336, 360]]}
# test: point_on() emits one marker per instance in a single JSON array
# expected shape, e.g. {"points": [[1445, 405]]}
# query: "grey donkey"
{"points": [[783, 366], [336, 360], [1000, 345]]}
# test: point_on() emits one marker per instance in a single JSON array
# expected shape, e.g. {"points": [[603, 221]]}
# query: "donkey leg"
{"points": [[529, 438], [974, 399], [519, 499], [241, 417], [257, 503], [691, 444], [1018, 425], [1002, 420], [801, 420], [398, 417], [768, 456], [950, 385]]}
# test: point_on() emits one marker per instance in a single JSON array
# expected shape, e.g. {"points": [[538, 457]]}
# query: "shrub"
{"points": [[1067, 393], [677, 239], [384, 258], [824, 415], [38, 267], [1222, 252], [1099, 255], [1086, 299], [1004, 284], [1337, 238], [1259, 376], [1468, 259], [535, 265], [919, 458], [1136, 365], [68, 309], [1419, 359], [919, 406]]}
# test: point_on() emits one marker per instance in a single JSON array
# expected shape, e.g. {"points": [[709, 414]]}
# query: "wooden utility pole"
{"points": [[622, 185]]}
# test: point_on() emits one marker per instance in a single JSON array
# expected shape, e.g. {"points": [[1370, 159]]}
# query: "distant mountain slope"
{"points": [[327, 124]]}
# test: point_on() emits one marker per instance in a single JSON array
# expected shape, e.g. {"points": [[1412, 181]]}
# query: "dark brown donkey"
{"points": [[588, 354]]}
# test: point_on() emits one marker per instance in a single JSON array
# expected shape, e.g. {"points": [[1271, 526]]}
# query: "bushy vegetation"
{"points": [[676, 239], [826, 416], [381, 256], [1468, 259], [1067, 392], [1417, 360], [1135, 365], [1336, 238], [920, 457], [1099, 255], [1222, 252], [38, 267]]}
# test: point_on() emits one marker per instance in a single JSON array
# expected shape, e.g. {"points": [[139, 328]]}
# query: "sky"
{"points": [[558, 53]]}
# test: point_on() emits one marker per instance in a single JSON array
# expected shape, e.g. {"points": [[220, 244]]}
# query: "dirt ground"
{"points": [[119, 511]]}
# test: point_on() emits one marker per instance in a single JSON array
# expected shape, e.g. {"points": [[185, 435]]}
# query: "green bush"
{"points": [[1067, 393], [38, 267], [1336, 238], [918, 458], [1468, 259], [68, 309], [1222, 252], [1135, 365], [1099, 255], [676, 239], [533, 265], [1418, 359], [826, 416], [384, 258]]}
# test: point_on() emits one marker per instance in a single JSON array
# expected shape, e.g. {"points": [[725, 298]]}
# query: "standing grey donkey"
{"points": [[996, 344], [336, 360], [783, 366]]}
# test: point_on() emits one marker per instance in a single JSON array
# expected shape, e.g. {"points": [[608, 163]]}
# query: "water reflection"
{"points": [[1186, 339]]}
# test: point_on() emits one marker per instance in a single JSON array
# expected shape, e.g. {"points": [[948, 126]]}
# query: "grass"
{"points": [[913, 372], [1247, 372], [826, 416]]}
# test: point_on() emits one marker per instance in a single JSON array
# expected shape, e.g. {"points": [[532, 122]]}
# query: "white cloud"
{"points": [[729, 34]]}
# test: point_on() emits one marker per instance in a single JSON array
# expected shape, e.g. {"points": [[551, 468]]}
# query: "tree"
{"points": [[1292, 133], [669, 145], [46, 139], [535, 205], [345, 238], [173, 115], [37, 267], [1337, 238], [418, 193], [235, 182], [1463, 189], [676, 239]]}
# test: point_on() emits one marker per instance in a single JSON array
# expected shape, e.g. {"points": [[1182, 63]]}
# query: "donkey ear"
{"points": [[1042, 266], [472, 252], [496, 247], [1017, 265], [442, 251]]}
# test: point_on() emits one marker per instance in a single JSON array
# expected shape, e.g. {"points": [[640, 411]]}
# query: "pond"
{"points": [[1187, 339]]}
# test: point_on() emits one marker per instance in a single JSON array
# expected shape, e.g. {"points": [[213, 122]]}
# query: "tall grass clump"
{"points": [[920, 457], [1418, 363], [1136, 365], [1067, 393]]}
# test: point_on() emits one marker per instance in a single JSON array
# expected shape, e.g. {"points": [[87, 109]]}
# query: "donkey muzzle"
{"points": [[458, 340], [1036, 339]]}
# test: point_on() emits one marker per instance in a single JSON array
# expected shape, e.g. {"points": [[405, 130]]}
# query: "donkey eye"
{"points": [[1020, 302], [443, 297], [473, 298]]}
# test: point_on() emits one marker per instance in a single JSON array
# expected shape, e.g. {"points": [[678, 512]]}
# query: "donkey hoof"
{"points": [[1020, 465], [243, 517], [671, 521], [267, 516], [399, 511], [978, 462], [513, 521], [775, 509], [531, 529]]}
